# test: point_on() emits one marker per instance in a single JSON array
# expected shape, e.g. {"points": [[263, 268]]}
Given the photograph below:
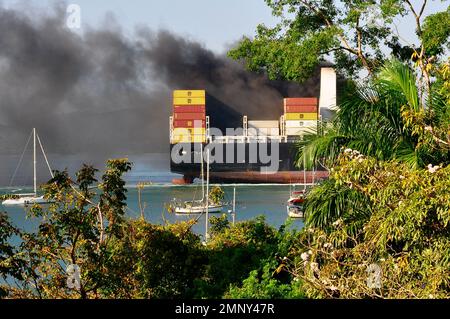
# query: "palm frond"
{"points": [[329, 202], [315, 147], [397, 76]]}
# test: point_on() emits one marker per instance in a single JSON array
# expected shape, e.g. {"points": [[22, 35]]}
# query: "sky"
{"points": [[217, 24]]}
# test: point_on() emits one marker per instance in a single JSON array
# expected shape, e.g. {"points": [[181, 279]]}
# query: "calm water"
{"points": [[251, 201]]}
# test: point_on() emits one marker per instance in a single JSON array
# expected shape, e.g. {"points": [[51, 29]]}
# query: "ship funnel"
{"points": [[327, 103]]}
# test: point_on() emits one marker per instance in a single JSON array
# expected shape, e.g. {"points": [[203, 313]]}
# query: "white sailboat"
{"points": [[200, 206], [32, 198]]}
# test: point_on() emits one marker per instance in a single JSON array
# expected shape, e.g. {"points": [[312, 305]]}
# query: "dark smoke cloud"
{"points": [[103, 93]]}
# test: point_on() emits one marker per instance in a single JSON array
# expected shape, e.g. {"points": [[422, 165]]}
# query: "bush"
{"points": [[406, 235]]}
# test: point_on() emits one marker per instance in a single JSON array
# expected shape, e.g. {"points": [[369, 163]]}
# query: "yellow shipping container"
{"points": [[189, 101], [301, 116], [189, 131], [186, 138], [189, 93]]}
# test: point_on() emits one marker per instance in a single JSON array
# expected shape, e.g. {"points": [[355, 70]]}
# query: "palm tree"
{"points": [[385, 119]]}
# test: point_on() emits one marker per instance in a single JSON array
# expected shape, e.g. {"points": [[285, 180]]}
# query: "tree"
{"points": [[216, 195], [406, 235], [357, 35], [75, 230], [233, 253], [154, 262], [12, 264], [392, 123]]}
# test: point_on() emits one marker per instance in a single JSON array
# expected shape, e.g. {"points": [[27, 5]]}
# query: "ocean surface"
{"points": [[251, 201]]}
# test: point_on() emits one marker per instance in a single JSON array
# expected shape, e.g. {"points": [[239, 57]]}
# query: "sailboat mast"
{"points": [[207, 197], [202, 174], [304, 171], [234, 205], [34, 162]]}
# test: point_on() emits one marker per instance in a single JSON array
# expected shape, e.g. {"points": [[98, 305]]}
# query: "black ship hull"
{"points": [[242, 163]]}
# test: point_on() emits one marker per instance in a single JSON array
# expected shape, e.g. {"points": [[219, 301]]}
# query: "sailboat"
{"points": [[32, 198], [200, 206], [296, 202]]}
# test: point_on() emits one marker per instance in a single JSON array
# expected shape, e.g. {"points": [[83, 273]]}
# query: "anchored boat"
{"points": [[31, 198], [203, 206], [295, 204]]}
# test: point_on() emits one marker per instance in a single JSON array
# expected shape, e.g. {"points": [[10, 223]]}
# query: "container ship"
{"points": [[241, 149]]}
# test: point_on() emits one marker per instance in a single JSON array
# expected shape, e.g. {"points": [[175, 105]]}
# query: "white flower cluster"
{"points": [[306, 255], [314, 266], [338, 223], [433, 169], [354, 154]]}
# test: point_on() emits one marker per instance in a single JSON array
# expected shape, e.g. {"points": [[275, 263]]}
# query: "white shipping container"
{"points": [[291, 131], [263, 124], [269, 131], [299, 124]]}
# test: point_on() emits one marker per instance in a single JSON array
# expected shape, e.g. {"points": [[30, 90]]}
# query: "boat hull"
{"points": [[23, 201], [295, 212], [197, 210], [246, 171]]}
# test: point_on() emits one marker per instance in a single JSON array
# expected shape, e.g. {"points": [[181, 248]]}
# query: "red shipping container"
{"points": [[189, 116], [301, 109], [189, 109], [189, 124], [300, 101]]}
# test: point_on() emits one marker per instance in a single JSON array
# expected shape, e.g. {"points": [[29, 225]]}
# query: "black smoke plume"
{"points": [[103, 93]]}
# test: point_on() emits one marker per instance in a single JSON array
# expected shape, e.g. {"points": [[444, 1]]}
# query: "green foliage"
{"points": [[329, 202], [407, 234], [436, 33], [74, 230], [271, 280], [153, 262], [216, 195], [442, 84], [219, 224], [12, 264], [283, 57], [369, 211], [234, 253], [352, 33], [8, 196], [393, 123], [264, 285], [122, 258]]}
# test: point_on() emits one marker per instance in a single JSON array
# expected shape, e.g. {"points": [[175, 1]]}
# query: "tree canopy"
{"points": [[356, 35]]}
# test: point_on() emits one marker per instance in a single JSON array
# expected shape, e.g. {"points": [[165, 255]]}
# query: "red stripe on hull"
{"points": [[287, 177]]}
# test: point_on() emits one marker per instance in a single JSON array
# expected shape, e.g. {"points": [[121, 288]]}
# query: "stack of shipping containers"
{"points": [[189, 116], [301, 115]]}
